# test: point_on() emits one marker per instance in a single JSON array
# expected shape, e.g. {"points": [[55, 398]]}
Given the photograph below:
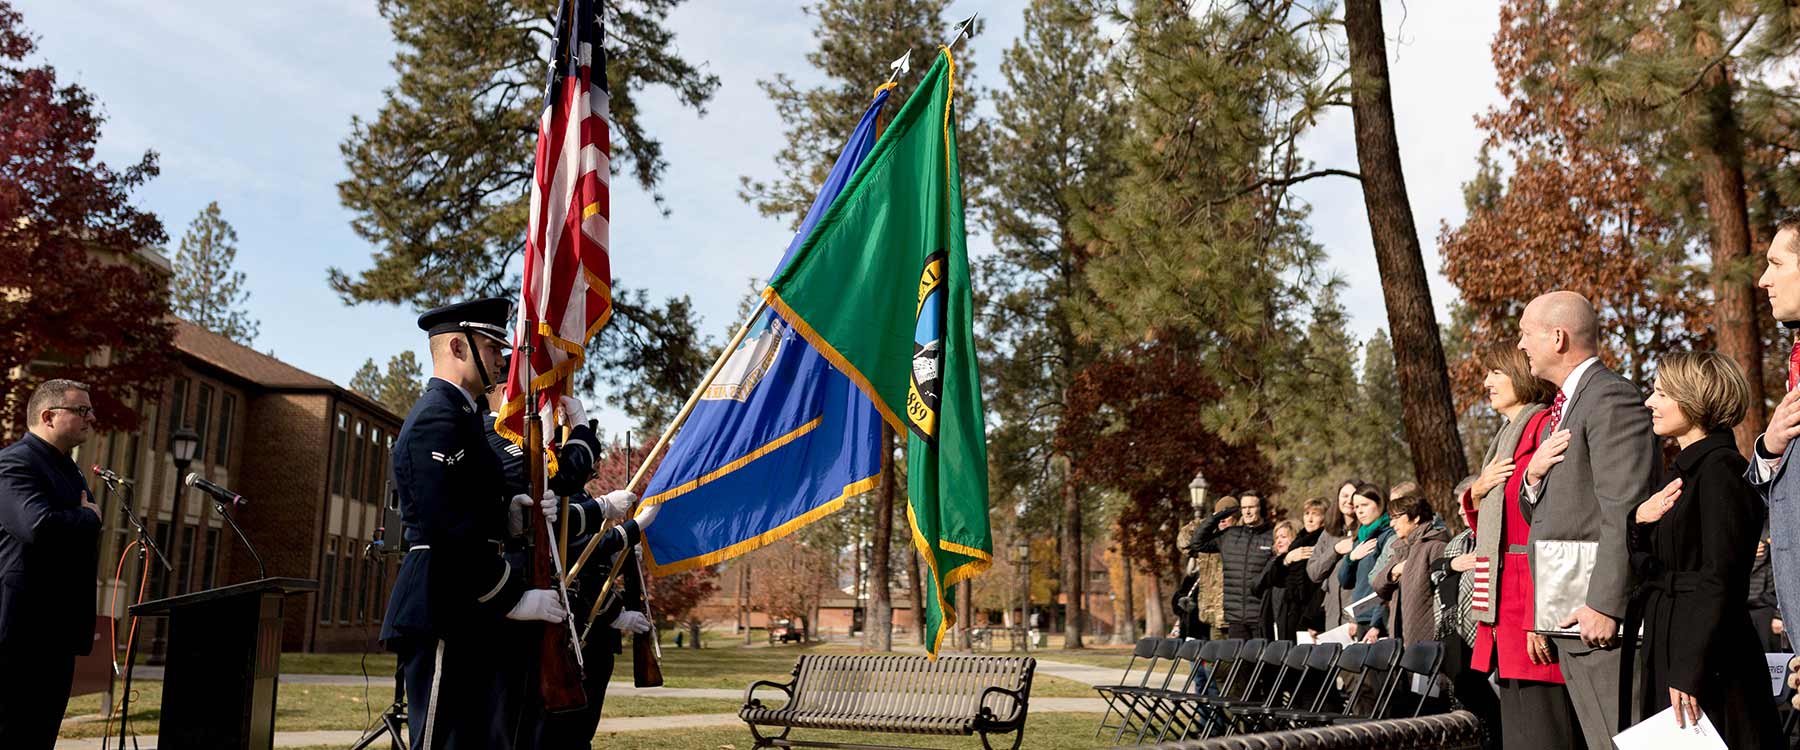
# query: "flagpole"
{"points": [[680, 417], [694, 398]]}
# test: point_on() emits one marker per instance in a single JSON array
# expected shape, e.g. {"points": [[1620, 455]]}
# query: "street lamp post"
{"points": [[184, 443], [1197, 493], [1022, 558]]}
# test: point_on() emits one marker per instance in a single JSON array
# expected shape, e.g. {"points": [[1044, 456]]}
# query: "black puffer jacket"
{"points": [[1243, 550]]}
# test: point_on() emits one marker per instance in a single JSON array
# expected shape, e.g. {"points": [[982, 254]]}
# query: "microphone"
{"points": [[218, 493], [111, 477]]}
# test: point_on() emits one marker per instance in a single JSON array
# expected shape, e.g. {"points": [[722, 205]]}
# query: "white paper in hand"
{"points": [[1362, 606], [1659, 732], [1777, 672], [1339, 635]]}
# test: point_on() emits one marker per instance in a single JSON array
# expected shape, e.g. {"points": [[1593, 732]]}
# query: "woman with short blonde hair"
{"points": [[1692, 545]]}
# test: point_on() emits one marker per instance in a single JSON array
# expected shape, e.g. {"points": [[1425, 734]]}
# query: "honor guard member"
{"points": [[623, 613], [456, 588], [575, 460]]}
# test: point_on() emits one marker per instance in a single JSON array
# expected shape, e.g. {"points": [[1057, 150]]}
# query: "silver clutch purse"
{"points": [[1560, 571]]}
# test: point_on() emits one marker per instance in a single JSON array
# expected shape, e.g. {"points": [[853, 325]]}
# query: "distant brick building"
{"points": [[308, 455]]}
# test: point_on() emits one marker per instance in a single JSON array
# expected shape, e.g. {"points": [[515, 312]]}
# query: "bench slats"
{"points": [[901, 694]]}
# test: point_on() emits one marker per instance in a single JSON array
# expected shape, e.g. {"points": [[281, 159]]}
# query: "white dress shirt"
{"points": [[1568, 391]]}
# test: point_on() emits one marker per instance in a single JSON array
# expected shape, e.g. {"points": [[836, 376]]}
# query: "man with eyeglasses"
{"points": [[49, 550]]}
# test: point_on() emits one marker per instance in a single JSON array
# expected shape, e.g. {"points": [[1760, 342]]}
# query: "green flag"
{"points": [[881, 288]]}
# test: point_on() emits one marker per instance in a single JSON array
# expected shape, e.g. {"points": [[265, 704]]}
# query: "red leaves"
{"points": [[79, 301]]}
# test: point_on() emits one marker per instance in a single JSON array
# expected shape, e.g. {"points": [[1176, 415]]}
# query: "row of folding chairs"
{"points": [[1177, 689]]}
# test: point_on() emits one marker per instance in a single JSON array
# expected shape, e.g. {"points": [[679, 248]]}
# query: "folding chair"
{"points": [[1421, 660], [1145, 651], [1143, 706], [1244, 667], [1213, 668]]}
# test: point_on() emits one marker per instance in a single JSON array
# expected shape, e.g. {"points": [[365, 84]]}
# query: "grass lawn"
{"points": [[1044, 731], [304, 707], [1111, 657], [308, 707]]}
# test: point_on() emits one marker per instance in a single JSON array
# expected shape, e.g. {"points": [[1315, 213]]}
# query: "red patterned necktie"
{"points": [[1794, 363], [1556, 408]]}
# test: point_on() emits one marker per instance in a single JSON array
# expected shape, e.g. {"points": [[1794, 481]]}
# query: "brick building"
{"points": [[309, 456]]}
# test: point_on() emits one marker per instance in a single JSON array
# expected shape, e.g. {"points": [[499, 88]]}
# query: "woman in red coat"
{"points": [[1534, 704]]}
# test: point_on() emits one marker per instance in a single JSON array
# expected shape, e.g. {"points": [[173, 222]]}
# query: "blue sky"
{"points": [[247, 102]]}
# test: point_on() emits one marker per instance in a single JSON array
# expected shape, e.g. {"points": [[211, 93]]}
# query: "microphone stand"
{"points": [[219, 507], [145, 545]]}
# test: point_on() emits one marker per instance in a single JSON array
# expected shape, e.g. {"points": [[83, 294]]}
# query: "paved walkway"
{"points": [[1079, 672]]}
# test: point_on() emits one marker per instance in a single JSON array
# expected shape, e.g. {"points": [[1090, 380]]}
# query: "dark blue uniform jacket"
{"points": [[48, 551]]}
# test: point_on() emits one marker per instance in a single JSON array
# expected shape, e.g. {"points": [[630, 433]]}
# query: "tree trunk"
{"points": [[1072, 585], [744, 596], [917, 584], [880, 622], [1154, 624], [1429, 411], [1124, 614], [1719, 151], [965, 613], [693, 634]]}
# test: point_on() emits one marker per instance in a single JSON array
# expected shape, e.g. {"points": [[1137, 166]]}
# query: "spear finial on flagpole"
{"points": [[962, 29], [900, 67]]}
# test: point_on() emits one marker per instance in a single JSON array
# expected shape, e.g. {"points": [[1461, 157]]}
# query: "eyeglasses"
{"points": [[81, 411]]}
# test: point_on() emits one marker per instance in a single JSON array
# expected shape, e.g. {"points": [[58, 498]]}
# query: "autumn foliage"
{"points": [[1575, 213], [1137, 422], [69, 289]]}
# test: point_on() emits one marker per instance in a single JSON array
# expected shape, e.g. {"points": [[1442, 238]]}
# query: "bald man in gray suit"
{"points": [[1598, 460]]}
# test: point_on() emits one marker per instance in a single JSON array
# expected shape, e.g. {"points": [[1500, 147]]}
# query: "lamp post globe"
{"points": [[1197, 492]]}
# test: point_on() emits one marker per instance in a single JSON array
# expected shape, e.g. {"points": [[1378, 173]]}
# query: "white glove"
{"points": [[539, 604], [573, 412], [617, 503], [551, 505], [515, 513], [646, 515], [632, 622]]}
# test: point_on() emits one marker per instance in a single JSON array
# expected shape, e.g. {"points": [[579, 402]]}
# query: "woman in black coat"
{"points": [[1692, 545], [1298, 607]]}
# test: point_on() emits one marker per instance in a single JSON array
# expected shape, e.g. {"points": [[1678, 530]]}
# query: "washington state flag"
{"points": [[881, 289]]}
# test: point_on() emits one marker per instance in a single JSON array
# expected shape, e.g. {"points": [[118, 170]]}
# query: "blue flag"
{"points": [[780, 439]]}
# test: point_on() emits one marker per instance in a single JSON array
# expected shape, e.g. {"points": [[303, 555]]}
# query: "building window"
{"points": [[337, 453], [356, 462], [209, 566], [177, 408], [183, 571], [227, 417], [159, 580], [202, 419], [349, 587], [377, 467], [327, 579]]}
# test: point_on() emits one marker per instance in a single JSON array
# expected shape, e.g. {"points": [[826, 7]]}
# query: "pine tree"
{"points": [[1381, 423], [857, 39], [397, 388], [1703, 90], [205, 288], [440, 179], [1203, 245], [1429, 408], [1056, 121], [1315, 437]]}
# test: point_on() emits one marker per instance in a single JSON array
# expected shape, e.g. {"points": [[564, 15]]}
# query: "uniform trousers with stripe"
{"points": [[459, 693]]}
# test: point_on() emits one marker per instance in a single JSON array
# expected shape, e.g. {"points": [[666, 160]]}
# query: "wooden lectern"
{"points": [[223, 661]]}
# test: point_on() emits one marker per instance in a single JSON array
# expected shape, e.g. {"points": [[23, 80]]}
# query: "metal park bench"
{"points": [[954, 696]]}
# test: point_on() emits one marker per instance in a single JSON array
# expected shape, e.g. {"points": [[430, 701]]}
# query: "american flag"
{"points": [[567, 293]]}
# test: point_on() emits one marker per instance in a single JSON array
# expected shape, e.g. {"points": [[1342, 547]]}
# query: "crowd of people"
{"points": [[1615, 556]]}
